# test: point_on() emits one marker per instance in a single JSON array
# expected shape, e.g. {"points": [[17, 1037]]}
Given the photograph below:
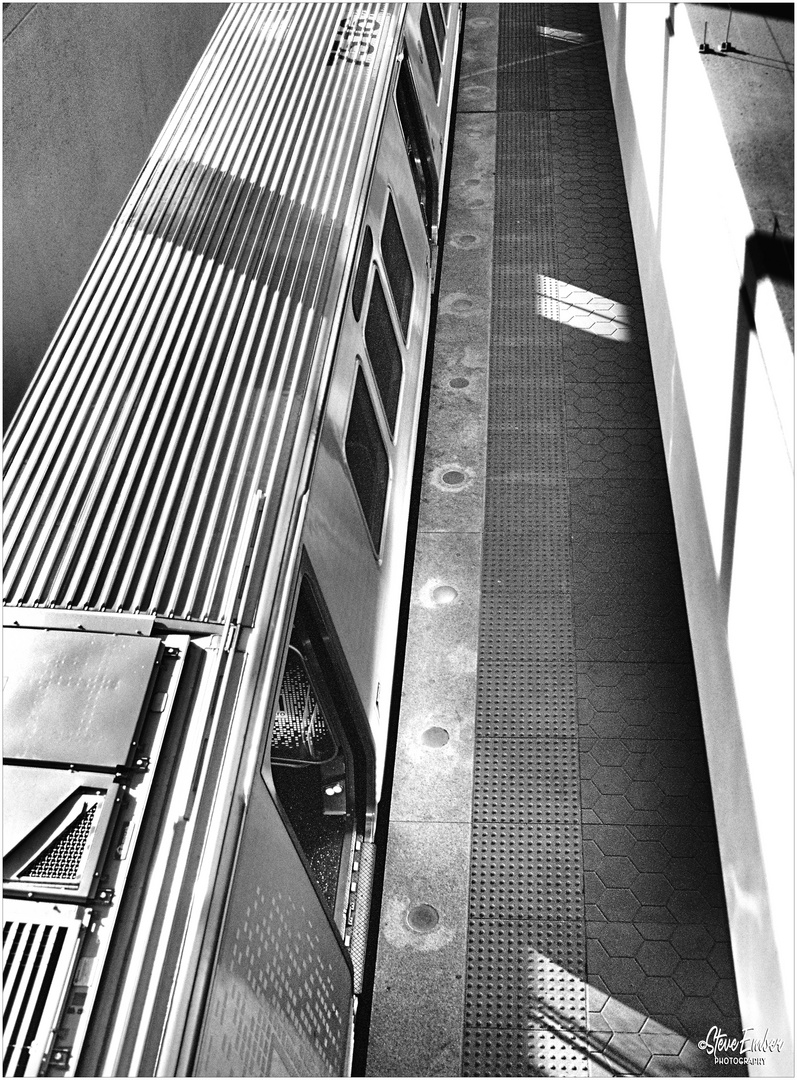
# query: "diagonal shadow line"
{"points": [[619, 321], [583, 1041], [764, 61], [543, 52], [766, 255]]}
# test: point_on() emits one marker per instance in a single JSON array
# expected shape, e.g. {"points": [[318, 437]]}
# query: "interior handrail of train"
{"points": [[207, 494]]}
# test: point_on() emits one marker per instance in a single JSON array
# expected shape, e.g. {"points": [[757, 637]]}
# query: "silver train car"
{"points": [[206, 505]]}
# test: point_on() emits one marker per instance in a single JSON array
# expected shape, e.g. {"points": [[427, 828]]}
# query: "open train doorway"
{"points": [[321, 759]]}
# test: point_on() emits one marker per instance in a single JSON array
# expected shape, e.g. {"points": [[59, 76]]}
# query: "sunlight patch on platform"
{"points": [[618, 1040], [582, 309]]}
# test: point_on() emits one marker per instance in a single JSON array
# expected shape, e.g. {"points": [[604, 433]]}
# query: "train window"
{"points": [[397, 265], [367, 459], [383, 351], [361, 278], [416, 142], [430, 48], [438, 19]]}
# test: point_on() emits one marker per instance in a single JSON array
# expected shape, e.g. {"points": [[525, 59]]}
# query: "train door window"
{"points": [[367, 459], [439, 19], [416, 142], [397, 265], [383, 351], [316, 761], [361, 277], [430, 48]]}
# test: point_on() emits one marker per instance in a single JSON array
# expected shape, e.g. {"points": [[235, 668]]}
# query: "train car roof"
{"points": [[167, 404]]}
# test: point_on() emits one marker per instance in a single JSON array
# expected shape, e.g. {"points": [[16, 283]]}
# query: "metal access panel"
{"points": [[74, 697], [280, 1003]]}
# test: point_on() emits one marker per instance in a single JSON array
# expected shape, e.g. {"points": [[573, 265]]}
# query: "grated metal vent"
{"points": [[358, 942], [64, 860], [301, 735], [31, 953]]}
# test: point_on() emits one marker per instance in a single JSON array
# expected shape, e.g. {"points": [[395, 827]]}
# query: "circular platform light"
{"points": [[435, 736], [423, 918], [454, 477]]}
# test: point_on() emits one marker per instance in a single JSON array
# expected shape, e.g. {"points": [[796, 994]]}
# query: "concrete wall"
{"points": [[86, 90], [723, 366]]}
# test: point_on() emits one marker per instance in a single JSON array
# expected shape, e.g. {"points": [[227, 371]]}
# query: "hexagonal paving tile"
{"points": [[660, 1039], [606, 752], [616, 939], [725, 998], [619, 905], [692, 942], [610, 780], [621, 1017], [662, 996], [656, 931], [627, 1053], [657, 958], [665, 1065], [695, 977], [643, 806], [643, 795], [651, 889], [616, 871], [698, 1013], [691, 905]]}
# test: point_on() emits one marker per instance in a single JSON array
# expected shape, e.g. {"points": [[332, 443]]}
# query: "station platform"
{"points": [[552, 901]]}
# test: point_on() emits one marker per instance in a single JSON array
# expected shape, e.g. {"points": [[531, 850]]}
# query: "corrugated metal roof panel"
{"points": [[162, 404]]}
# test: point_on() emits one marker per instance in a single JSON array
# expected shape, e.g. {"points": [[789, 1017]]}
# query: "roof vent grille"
{"points": [[31, 955], [64, 860]]}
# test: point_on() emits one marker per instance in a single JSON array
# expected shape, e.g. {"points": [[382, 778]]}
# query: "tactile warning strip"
{"points": [[525, 998], [525, 871], [597, 936], [525, 779], [553, 1049], [531, 962], [530, 698]]}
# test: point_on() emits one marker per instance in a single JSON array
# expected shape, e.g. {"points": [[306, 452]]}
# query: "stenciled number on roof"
{"points": [[353, 41]]}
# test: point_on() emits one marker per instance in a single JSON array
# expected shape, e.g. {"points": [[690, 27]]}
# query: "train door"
{"points": [[359, 501], [291, 952], [429, 56]]}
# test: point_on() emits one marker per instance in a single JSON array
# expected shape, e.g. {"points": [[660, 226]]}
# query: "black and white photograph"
{"points": [[398, 584]]}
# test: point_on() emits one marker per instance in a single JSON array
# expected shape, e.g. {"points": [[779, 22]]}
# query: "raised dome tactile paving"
{"points": [[551, 735], [597, 938]]}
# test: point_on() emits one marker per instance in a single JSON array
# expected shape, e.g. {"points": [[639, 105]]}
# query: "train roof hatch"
{"points": [[74, 697], [73, 708]]}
